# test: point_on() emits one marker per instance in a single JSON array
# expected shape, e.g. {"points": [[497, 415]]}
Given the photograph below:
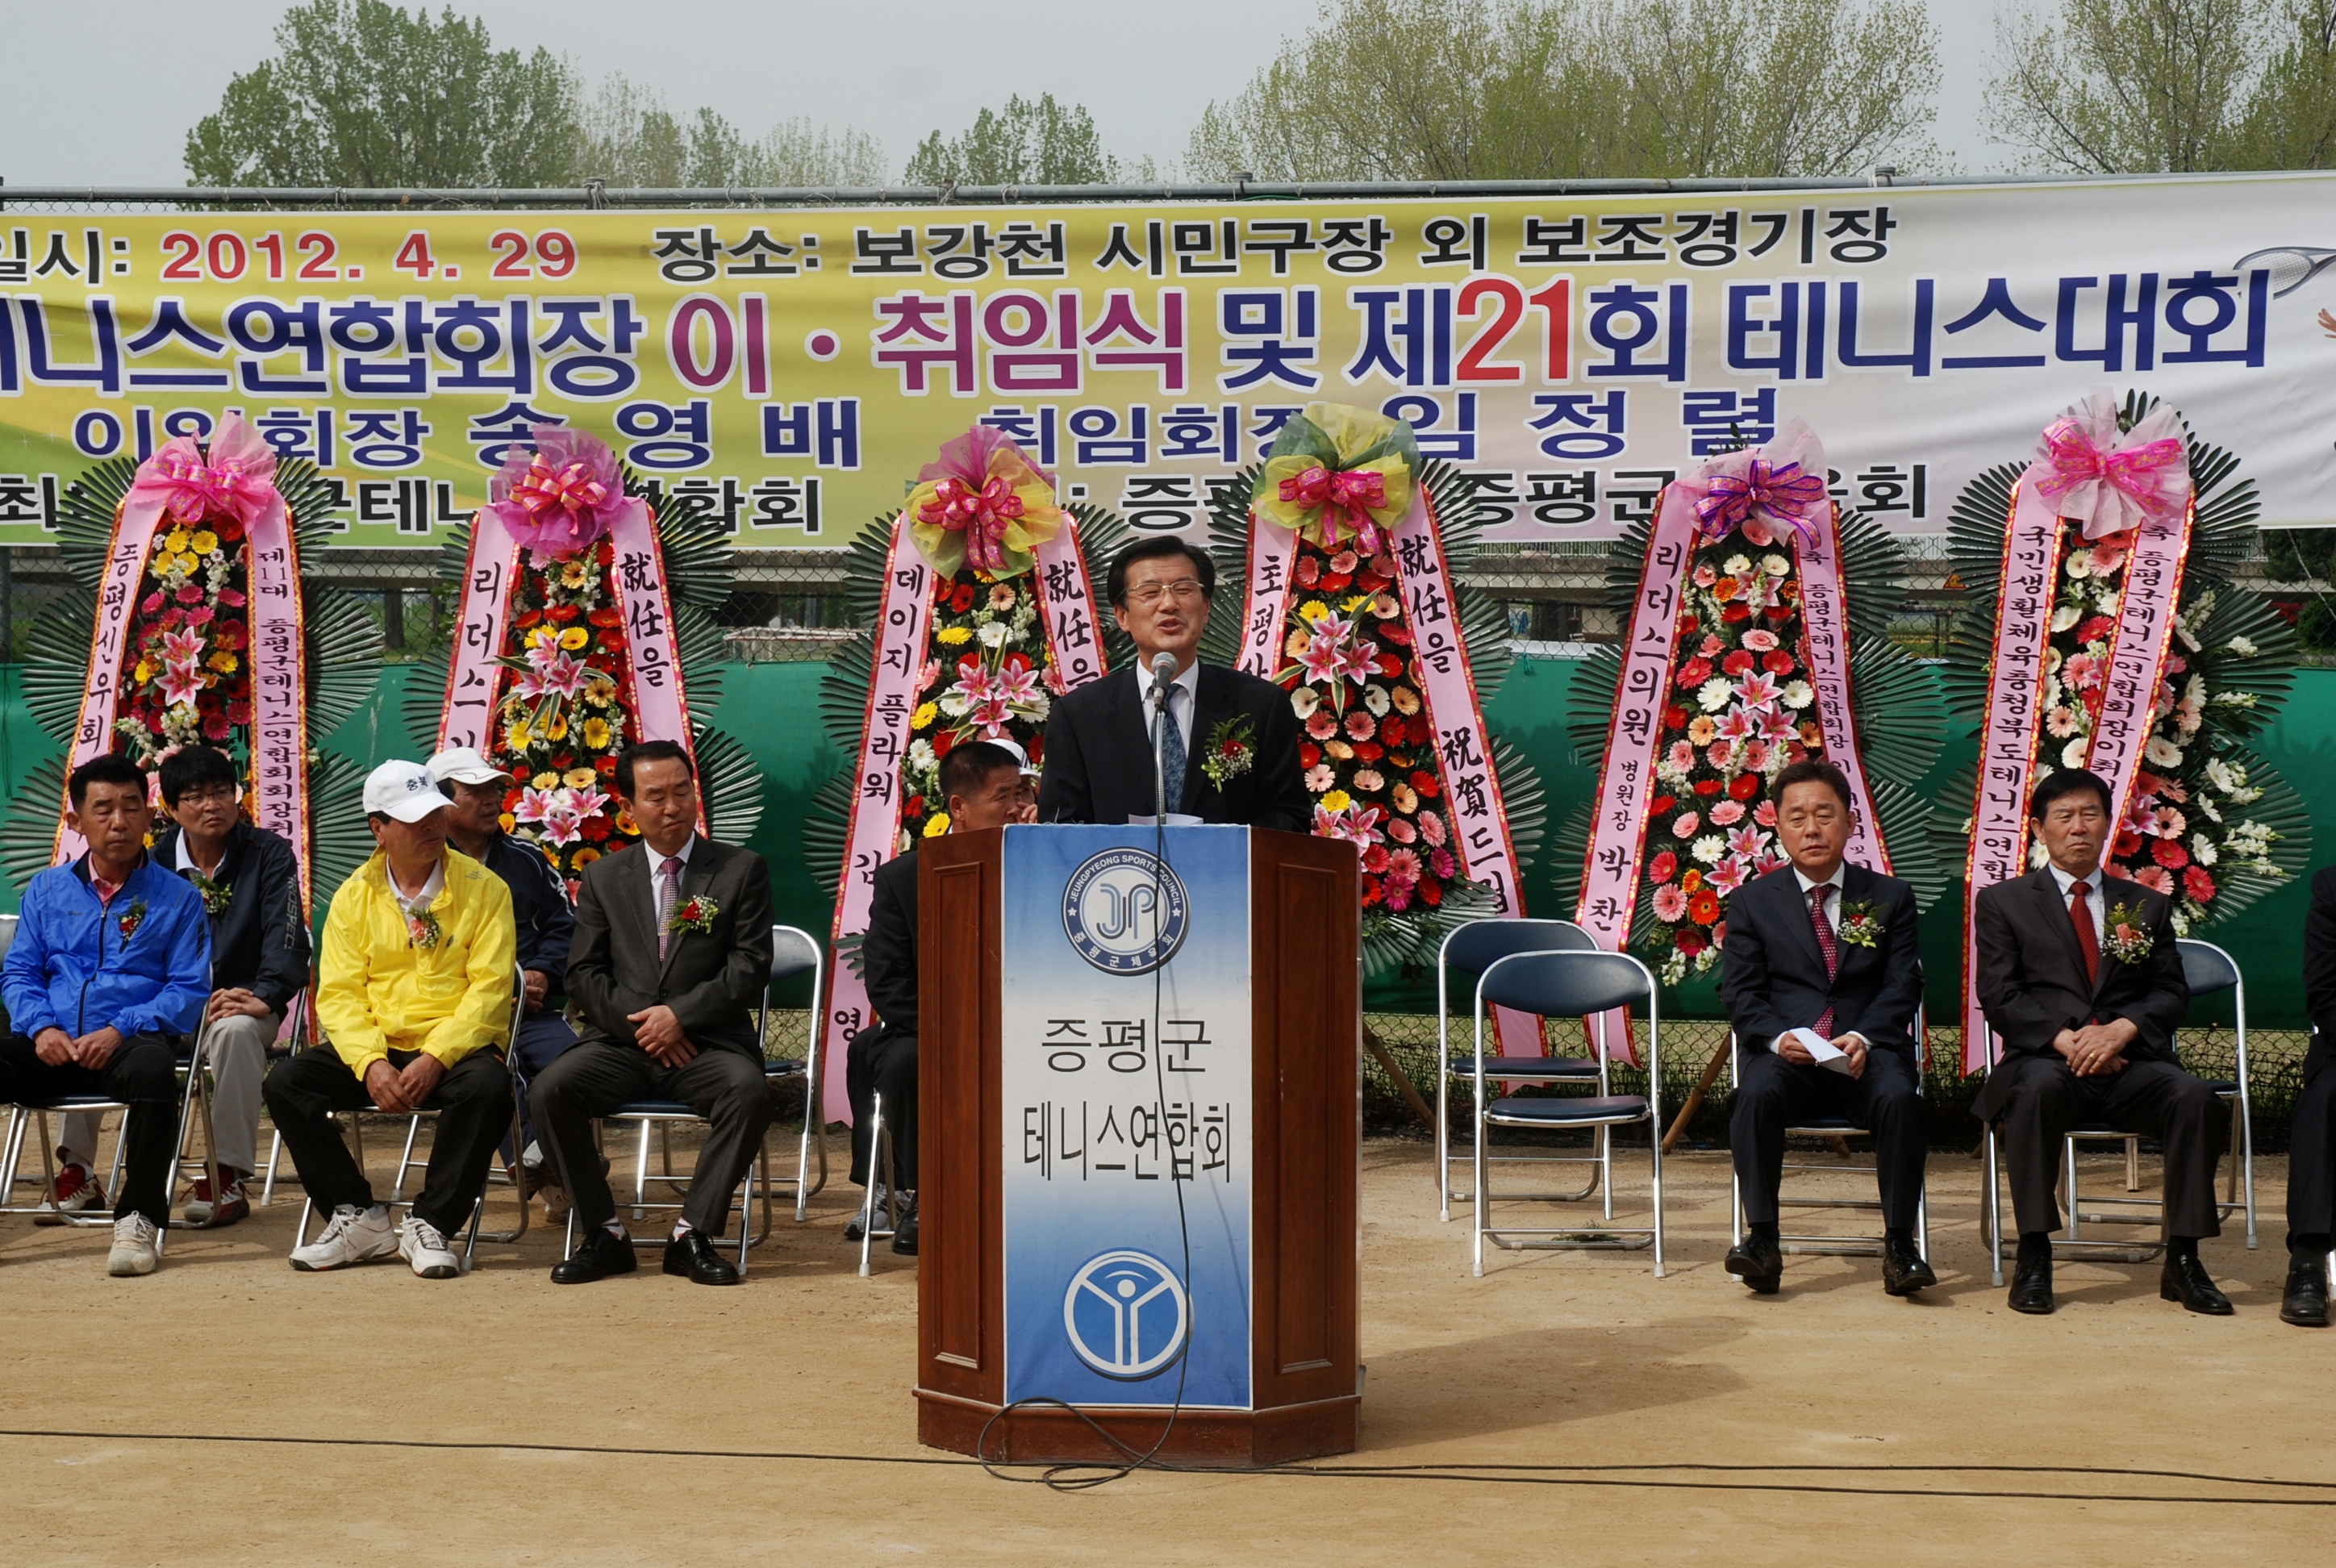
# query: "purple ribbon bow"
{"points": [[1786, 496]]}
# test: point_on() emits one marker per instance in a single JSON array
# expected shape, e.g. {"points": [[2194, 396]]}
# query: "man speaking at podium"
{"points": [[1099, 737]]}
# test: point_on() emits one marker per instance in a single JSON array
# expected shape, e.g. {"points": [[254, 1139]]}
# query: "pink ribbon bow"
{"points": [[562, 496], [1785, 495], [237, 478], [2110, 491], [981, 515], [1345, 496]]}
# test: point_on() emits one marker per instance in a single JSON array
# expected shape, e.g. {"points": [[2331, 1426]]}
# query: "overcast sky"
{"points": [[103, 91]]}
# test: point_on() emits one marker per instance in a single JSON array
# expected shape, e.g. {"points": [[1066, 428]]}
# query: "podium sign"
{"points": [[1109, 1036], [1124, 1071]]}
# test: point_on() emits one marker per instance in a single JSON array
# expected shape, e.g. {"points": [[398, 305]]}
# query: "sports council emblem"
{"points": [[1125, 912], [1126, 1314]]}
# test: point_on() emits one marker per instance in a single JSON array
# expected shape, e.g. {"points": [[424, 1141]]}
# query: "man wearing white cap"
{"points": [[414, 994], [545, 923]]}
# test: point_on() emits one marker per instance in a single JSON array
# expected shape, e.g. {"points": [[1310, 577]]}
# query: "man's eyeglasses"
{"points": [[1183, 590]]}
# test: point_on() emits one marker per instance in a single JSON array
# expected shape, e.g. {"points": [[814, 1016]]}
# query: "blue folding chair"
{"points": [[1569, 984], [1471, 949]]}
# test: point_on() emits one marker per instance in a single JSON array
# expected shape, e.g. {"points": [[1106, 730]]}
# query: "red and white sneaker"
{"points": [[228, 1205], [77, 1192]]}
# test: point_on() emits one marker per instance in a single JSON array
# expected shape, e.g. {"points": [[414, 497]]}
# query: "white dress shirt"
{"points": [[435, 884], [2093, 899], [1184, 698], [1831, 886], [656, 867]]}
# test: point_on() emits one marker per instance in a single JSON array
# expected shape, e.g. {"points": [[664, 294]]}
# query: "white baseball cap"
{"points": [[1021, 757], [404, 790], [463, 764]]}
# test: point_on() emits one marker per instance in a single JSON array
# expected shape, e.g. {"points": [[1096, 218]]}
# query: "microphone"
{"points": [[1164, 675]]}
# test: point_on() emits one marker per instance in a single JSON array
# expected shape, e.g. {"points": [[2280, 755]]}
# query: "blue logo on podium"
{"points": [[1125, 912], [1126, 1314]]}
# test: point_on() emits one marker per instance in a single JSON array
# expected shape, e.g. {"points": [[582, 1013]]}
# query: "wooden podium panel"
{"points": [[1305, 1007]]}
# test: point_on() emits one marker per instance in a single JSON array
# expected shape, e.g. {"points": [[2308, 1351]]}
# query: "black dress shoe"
{"points": [[692, 1253], [2032, 1285], [2305, 1304], [2185, 1280], [904, 1226], [598, 1255], [1758, 1261], [1904, 1271]]}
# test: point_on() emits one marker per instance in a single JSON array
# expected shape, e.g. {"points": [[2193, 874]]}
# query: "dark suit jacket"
{"points": [[2031, 973], [259, 942], [889, 951], [1772, 972], [2319, 972], [540, 907], [712, 981], [1099, 758]]}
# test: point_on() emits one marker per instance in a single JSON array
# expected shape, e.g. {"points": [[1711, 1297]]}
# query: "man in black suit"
{"points": [[1824, 950], [2311, 1150], [1099, 749], [982, 784], [672, 954], [2083, 988]]}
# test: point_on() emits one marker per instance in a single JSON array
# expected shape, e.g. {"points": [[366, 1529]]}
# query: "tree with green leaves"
{"points": [[1028, 143], [364, 93], [631, 138], [2179, 86], [1584, 89]]}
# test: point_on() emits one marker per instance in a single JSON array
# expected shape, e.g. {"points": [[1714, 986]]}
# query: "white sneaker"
{"points": [[353, 1235], [881, 1209], [134, 1252], [426, 1250]]}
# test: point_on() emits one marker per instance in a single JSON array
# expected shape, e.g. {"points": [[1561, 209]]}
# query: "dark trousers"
{"points": [[880, 1062], [143, 1074], [1773, 1094], [724, 1086], [473, 1103], [540, 1041], [2153, 1098], [2311, 1152]]}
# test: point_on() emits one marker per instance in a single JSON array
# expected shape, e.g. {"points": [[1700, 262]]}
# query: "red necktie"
{"points": [[1825, 945], [2080, 915]]}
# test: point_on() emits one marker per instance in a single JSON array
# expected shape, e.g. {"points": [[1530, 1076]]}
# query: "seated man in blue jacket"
{"points": [[109, 968], [546, 922], [250, 885]]}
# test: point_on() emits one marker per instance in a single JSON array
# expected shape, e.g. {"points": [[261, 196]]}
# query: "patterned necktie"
{"points": [[669, 895], [2088, 941], [1173, 745], [1828, 946]]}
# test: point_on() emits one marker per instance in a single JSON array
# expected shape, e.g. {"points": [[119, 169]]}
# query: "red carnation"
{"points": [[1661, 804], [1708, 786], [1390, 665], [2169, 854], [1423, 785], [2198, 885], [1337, 581], [1675, 718], [1777, 662], [1430, 892], [2127, 845], [1779, 613], [1737, 663], [1392, 729], [1695, 672], [1744, 786], [1037, 747], [1733, 613], [1308, 753], [942, 741], [563, 612], [596, 828], [1371, 894], [1368, 751]]}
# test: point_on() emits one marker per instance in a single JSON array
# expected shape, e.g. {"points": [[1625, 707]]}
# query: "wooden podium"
{"points": [[1303, 1109]]}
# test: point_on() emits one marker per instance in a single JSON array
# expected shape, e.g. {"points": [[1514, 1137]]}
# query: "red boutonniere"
{"points": [[694, 914], [131, 921], [2128, 940]]}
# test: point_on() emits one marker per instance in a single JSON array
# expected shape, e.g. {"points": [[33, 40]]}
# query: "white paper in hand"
{"points": [[1824, 1052]]}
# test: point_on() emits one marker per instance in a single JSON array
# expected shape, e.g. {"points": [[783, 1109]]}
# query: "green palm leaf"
{"points": [[731, 783], [28, 837], [827, 825]]}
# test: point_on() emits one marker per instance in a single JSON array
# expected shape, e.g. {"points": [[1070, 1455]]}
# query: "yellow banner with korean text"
{"points": [[787, 370]]}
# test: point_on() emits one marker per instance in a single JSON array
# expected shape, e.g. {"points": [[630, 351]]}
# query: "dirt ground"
{"points": [[1579, 1411]]}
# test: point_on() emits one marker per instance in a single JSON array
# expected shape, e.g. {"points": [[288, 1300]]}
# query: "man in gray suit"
{"points": [[671, 955]]}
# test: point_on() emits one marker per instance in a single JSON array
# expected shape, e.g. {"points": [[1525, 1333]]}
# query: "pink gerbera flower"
{"points": [[1670, 904]]}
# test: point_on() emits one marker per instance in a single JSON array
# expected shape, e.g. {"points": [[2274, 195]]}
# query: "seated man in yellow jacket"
{"points": [[414, 996]]}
